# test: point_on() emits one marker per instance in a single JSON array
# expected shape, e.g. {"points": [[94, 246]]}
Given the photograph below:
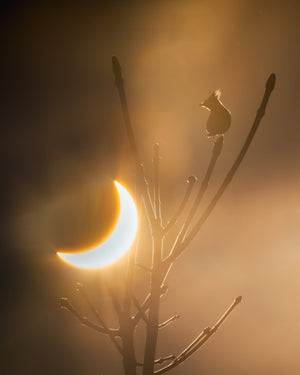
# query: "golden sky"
{"points": [[63, 135]]}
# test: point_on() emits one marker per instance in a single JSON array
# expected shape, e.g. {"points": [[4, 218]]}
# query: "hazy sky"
{"points": [[63, 137]]}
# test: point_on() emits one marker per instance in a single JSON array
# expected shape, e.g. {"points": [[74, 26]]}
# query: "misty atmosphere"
{"points": [[63, 138]]}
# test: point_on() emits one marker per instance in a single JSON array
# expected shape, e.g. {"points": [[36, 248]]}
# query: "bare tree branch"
{"points": [[81, 290], [143, 187], [260, 113], [218, 145], [120, 86], [150, 308], [200, 340], [159, 360], [190, 184], [65, 304], [117, 70], [168, 321], [140, 309], [146, 303]]}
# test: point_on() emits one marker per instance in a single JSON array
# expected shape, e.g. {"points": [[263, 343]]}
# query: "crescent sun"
{"points": [[117, 244]]}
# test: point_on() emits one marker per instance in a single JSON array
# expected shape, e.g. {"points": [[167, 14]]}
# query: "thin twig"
{"points": [[130, 272], [81, 290], [193, 343], [65, 304], [117, 70], [145, 191], [168, 321], [159, 360], [145, 305], [200, 340], [140, 309], [260, 113], [218, 145], [190, 183], [120, 86]]}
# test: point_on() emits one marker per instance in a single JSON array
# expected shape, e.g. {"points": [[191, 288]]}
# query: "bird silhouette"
{"points": [[219, 119]]}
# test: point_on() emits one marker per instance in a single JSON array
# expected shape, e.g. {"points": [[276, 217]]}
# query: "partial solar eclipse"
{"points": [[117, 244]]}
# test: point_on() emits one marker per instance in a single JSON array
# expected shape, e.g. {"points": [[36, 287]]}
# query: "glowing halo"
{"points": [[117, 244]]}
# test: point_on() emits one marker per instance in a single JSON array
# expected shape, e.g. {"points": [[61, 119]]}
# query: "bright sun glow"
{"points": [[119, 241]]}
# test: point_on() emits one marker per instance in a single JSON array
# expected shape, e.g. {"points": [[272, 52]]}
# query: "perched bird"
{"points": [[220, 117]]}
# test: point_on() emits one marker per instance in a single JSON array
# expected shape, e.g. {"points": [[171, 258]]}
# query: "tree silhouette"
{"points": [[148, 310]]}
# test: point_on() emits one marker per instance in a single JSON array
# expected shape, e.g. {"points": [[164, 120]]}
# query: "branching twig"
{"points": [[145, 191], [81, 290], [160, 268], [168, 321], [145, 305], [159, 360], [260, 113], [65, 304], [140, 309], [200, 340], [218, 145], [190, 184]]}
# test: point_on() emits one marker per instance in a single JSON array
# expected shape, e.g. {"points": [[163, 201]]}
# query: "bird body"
{"points": [[220, 117]]}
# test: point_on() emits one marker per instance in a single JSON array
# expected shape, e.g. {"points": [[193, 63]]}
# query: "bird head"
{"points": [[212, 100]]}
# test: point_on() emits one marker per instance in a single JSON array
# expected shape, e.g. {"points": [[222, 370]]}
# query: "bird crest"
{"points": [[211, 100]]}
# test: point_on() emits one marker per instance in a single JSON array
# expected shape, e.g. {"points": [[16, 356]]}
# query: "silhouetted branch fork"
{"points": [[167, 263], [190, 184], [159, 360], [216, 152], [270, 84], [193, 343], [65, 304], [145, 305], [147, 200], [169, 321], [140, 310], [200, 340], [80, 289]]}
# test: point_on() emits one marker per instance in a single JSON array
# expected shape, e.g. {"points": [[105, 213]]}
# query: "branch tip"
{"points": [[238, 300], [117, 69], [271, 82]]}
